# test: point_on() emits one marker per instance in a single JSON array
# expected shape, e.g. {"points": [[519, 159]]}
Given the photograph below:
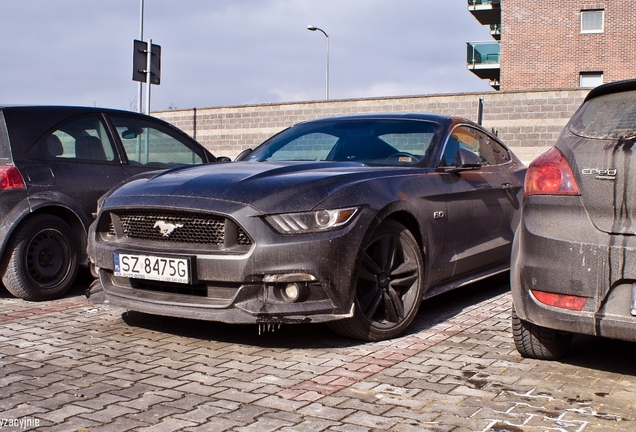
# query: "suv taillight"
{"points": [[10, 178], [550, 174]]}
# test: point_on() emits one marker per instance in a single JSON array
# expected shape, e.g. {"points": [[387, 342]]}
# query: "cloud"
{"points": [[232, 52]]}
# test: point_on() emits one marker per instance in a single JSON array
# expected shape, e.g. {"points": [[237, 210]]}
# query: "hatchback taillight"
{"points": [[563, 301], [550, 174], [10, 178]]}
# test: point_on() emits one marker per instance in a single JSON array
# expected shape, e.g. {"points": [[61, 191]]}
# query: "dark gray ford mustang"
{"points": [[348, 220]]}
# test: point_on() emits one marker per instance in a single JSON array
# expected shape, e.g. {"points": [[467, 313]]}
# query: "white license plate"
{"points": [[159, 268]]}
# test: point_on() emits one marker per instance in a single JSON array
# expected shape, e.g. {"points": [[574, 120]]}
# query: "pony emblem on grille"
{"points": [[166, 228]]}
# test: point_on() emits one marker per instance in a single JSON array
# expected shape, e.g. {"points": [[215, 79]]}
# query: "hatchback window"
{"points": [[609, 116], [152, 144], [83, 139]]}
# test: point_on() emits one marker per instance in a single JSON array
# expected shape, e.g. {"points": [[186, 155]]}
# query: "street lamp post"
{"points": [[313, 28]]}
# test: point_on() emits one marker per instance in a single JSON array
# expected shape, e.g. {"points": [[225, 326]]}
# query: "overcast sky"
{"points": [[234, 52]]}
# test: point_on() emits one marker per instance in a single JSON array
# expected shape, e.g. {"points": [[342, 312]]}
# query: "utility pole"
{"points": [[146, 63], [141, 37]]}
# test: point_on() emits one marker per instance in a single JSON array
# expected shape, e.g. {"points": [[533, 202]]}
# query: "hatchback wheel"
{"points": [[388, 287], [533, 341], [42, 259]]}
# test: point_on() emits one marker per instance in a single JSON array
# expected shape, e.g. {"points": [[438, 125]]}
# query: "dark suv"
{"points": [[573, 266], [55, 162]]}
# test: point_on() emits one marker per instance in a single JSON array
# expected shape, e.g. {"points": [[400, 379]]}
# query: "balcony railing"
{"points": [[486, 11], [483, 2], [482, 53]]}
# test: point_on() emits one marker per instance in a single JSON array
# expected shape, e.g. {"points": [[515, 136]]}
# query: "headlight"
{"points": [[309, 222]]}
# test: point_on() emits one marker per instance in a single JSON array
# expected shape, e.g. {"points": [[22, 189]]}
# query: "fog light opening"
{"points": [[292, 292]]}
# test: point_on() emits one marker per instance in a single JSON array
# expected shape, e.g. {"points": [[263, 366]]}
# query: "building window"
{"points": [[592, 21], [590, 79]]}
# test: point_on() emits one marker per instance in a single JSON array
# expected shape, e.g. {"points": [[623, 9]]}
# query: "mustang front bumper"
{"points": [[280, 279]]}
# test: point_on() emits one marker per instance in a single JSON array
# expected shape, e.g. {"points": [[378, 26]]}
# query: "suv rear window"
{"points": [[610, 116]]}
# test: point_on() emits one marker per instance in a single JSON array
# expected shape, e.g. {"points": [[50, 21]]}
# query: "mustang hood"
{"points": [[265, 186]]}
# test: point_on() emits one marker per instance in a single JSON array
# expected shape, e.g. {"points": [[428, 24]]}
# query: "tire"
{"points": [[388, 287], [41, 259], [533, 341]]}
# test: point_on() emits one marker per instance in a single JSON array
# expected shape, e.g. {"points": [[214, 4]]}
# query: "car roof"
{"points": [[27, 123], [612, 87], [61, 108], [60, 111], [439, 118]]}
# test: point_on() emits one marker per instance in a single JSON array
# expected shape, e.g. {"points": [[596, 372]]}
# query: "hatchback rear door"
{"points": [[599, 143], [75, 161]]}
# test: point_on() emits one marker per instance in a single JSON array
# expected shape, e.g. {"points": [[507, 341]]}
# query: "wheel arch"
{"points": [[411, 223], [417, 228], [78, 225], [402, 214]]}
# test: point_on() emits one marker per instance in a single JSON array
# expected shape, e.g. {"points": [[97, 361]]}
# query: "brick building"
{"points": [[554, 44]]}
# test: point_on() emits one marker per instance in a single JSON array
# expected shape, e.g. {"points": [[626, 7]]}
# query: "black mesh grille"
{"points": [[243, 239], [176, 227]]}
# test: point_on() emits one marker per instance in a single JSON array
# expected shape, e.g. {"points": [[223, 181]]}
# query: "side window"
{"points": [[490, 152], [148, 143], [83, 139], [500, 153], [452, 145]]}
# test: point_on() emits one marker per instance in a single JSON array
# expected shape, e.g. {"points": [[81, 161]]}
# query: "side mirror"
{"points": [[466, 159], [223, 159], [242, 154]]}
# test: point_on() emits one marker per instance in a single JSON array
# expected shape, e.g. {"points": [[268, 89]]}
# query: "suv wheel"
{"points": [[533, 341], [41, 261]]}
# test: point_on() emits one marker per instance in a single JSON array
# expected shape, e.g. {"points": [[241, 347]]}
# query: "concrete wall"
{"points": [[528, 122]]}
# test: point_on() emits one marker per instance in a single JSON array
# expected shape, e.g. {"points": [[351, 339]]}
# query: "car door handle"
{"points": [[506, 187]]}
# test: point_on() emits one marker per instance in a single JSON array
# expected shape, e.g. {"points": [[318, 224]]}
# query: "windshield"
{"points": [[374, 142], [609, 116]]}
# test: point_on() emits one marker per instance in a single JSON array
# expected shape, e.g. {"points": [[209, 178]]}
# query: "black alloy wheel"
{"points": [[388, 287]]}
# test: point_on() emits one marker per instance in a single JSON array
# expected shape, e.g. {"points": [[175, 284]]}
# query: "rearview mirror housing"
{"points": [[464, 160]]}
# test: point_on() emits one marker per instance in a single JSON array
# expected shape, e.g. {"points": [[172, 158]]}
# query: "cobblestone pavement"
{"points": [[66, 365]]}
